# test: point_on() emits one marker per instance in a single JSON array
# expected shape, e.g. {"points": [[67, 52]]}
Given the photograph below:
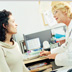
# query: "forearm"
{"points": [[49, 52], [62, 59], [58, 49]]}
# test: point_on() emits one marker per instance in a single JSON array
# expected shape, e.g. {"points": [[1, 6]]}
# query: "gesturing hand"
{"points": [[51, 56], [45, 53]]}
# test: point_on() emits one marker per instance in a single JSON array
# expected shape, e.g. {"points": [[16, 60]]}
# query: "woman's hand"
{"points": [[45, 53], [51, 56]]}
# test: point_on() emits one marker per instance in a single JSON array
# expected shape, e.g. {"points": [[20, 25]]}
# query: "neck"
{"points": [[8, 37], [67, 21]]}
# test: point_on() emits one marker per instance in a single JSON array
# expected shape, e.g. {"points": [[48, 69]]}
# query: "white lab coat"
{"points": [[64, 56]]}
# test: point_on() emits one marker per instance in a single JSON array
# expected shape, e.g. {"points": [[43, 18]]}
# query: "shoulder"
{"points": [[1, 51]]}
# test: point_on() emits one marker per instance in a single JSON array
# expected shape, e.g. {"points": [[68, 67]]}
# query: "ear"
{"points": [[4, 26]]}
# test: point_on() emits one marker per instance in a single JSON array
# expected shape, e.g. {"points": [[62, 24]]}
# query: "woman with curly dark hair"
{"points": [[11, 59]]}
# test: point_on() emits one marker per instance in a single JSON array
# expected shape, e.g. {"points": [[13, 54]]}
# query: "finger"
{"points": [[41, 52], [49, 56], [40, 55]]}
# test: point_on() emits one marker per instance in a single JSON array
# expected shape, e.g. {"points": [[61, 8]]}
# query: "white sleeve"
{"points": [[58, 49], [3, 64], [65, 58], [62, 59]]}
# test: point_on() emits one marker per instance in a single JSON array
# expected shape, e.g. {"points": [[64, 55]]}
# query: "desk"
{"points": [[34, 60], [38, 59]]}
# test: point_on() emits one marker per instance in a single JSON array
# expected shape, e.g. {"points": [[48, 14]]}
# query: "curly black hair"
{"points": [[4, 17]]}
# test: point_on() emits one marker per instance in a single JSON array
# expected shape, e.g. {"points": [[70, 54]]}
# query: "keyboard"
{"points": [[29, 57], [32, 55]]}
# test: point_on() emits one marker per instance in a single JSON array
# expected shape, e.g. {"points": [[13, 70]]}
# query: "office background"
{"points": [[27, 16]]}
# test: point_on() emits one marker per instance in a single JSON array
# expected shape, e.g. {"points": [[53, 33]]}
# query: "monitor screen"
{"points": [[33, 44]]}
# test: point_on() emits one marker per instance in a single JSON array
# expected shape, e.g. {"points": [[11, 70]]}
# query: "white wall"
{"points": [[27, 16]]}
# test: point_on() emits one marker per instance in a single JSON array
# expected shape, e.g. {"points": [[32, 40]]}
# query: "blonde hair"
{"points": [[64, 7]]}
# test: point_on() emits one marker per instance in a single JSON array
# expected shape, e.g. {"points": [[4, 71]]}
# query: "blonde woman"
{"points": [[11, 59], [63, 54]]}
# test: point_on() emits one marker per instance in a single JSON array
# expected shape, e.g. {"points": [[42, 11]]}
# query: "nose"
{"points": [[16, 24], [54, 16]]}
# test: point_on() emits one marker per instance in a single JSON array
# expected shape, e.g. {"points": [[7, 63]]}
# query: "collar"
{"points": [[5, 45], [70, 26]]}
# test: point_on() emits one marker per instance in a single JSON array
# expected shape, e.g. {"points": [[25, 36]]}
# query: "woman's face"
{"points": [[12, 26], [59, 16]]}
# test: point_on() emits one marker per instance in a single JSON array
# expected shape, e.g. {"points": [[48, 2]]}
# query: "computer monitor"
{"points": [[45, 35]]}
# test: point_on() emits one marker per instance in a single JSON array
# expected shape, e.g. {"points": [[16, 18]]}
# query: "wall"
{"points": [[27, 16]]}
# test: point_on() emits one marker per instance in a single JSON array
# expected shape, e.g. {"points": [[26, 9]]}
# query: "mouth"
{"points": [[56, 18], [16, 27]]}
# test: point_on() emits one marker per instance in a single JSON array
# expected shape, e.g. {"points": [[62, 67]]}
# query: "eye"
{"points": [[13, 21], [55, 12]]}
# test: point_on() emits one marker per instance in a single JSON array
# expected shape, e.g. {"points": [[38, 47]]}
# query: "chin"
{"points": [[58, 21], [14, 32]]}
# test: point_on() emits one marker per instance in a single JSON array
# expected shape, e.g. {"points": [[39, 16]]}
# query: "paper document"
{"points": [[49, 18], [33, 43]]}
